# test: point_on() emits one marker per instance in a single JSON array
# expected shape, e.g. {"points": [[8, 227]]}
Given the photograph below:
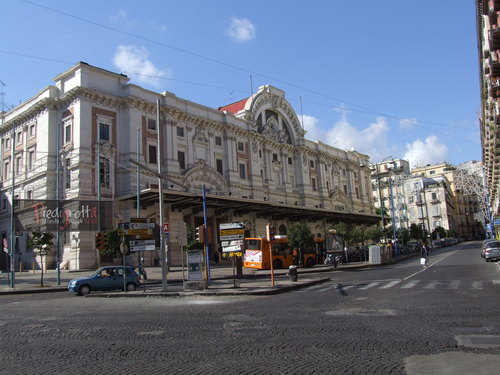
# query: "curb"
{"points": [[212, 293]]}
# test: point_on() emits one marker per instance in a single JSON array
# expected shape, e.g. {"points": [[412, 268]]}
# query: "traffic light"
{"points": [[270, 232], [100, 240], [200, 234]]}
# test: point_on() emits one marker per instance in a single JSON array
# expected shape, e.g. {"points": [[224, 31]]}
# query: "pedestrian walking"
{"points": [[424, 254]]}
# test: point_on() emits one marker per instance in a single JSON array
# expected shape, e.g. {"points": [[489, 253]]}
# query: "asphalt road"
{"points": [[397, 319]]}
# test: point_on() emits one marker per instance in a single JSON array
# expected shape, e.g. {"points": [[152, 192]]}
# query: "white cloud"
{"points": [[407, 123], [371, 140], [241, 29], [120, 15], [430, 151], [135, 60]]}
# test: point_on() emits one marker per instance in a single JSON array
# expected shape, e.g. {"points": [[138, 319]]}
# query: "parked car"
{"points": [[483, 246], [492, 251], [106, 278]]}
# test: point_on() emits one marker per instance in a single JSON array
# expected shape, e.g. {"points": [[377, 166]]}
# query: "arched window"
{"points": [[282, 230]]}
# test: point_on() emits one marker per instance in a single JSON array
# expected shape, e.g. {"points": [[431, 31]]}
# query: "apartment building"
{"points": [[68, 166]]}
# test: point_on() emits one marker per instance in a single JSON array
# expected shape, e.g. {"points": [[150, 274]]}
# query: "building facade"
{"points": [[488, 33], [93, 136]]}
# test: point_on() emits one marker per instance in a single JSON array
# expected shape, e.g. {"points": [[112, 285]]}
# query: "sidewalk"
{"points": [[222, 282]]}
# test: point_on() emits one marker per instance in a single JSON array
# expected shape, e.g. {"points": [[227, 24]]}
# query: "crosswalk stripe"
{"points": [[432, 285], [453, 284], [411, 284], [391, 284], [371, 285], [477, 285]]}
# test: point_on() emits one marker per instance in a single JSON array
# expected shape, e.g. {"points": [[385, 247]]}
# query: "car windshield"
{"points": [[493, 244]]}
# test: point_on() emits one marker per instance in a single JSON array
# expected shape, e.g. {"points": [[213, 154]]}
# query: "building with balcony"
{"points": [[488, 33], [67, 166]]}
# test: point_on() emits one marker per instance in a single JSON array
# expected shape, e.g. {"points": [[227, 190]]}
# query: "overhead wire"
{"points": [[358, 108]]}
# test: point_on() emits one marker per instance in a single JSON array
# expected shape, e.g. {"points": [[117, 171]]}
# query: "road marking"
{"points": [[390, 285], [371, 285], [453, 284], [477, 285], [429, 265], [433, 284], [411, 284]]}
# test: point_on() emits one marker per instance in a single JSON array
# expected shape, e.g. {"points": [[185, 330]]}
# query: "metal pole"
{"points": [[98, 252], [207, 255], [393, 218], [139, 253], [12, 224], [163, 249], [58, 242]]}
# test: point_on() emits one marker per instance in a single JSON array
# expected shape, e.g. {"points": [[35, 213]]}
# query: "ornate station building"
{"points": [[81, 153]]}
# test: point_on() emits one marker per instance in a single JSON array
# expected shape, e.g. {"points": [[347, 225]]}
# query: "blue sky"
{"points": [[388, 78]]}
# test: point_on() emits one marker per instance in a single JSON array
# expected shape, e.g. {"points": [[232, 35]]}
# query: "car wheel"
{"points": [[84, 290], [277, 264], [310, 262], [131, 287], [487, 259]]}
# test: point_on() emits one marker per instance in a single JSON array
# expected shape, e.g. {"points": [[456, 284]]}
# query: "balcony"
{"points": [[495, 39], [495, 89]]}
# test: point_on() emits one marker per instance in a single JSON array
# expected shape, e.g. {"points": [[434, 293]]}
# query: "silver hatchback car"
{"points": [[492, 251]]}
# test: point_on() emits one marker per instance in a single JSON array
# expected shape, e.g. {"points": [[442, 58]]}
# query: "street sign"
{"points": [[142, 242], [143, 248], [142, 220], [126, 226], [231, 248], [135, 232], [233, 237], [231, 226], [165, 227]]}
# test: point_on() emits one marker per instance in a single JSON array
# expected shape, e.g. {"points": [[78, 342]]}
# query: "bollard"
{"points": [[292, 272]]}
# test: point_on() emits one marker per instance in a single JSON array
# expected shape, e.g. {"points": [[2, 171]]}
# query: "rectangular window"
{"points": [[311, 163], [104, 173], [68, 173], [152, 157], [31, 159], [357, 192], [243, 172], [290, 161], [180, 131], [218, 163], [343, 172], [434, 196], [241, 146], [29, 194], [19, 138], [181, 158], [104, 132], [218, 140], [151, 124], [260, 154], [345, 189], [67, 132], [6, 170], [19, 163], [32, 130], [6, 143], [275, 157], [313, 184], [16, 201]]}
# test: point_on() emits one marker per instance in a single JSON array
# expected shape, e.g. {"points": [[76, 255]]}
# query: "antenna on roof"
{"points": [[301, 112], [2, 94]]}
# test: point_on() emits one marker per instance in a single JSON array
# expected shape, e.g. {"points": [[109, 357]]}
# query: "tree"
{"points": [[403, 235], [374, 233], [344, 231], [358, 235], [41, 243], [439, 231], [300, 237], [112, 244], [416, 232]]}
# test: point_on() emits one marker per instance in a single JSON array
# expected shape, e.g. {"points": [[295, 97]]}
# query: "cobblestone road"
{"points": [[322, 330]]}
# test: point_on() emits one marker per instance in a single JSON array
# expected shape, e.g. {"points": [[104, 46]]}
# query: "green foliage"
{"points": [[416, 232], [358, 235], [374, 233], [38, 240], [439, 231], [192, 244], [403, 235], [112, 244], [300, 237]]}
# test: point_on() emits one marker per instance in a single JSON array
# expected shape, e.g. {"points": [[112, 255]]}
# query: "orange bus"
{"points": [[256, 254]]}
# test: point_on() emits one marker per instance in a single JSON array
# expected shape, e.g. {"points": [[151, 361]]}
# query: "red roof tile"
{"points": [[234, 107]]}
